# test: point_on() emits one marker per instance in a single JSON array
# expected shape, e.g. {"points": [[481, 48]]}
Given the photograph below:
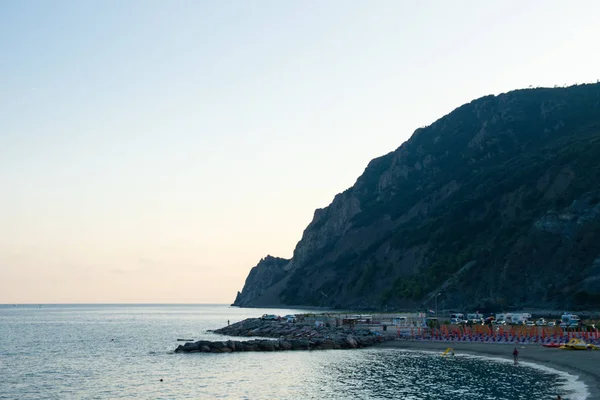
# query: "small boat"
{"points": [[553, 345], [577, 344]]}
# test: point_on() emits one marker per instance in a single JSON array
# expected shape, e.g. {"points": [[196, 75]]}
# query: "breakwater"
{"points": [[278, 336]]}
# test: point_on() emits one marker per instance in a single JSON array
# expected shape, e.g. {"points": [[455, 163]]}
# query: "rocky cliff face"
{"points": [[494, 205], [267, 272]]}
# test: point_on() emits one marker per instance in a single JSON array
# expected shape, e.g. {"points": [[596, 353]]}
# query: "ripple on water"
{"points": [[70, 354]]}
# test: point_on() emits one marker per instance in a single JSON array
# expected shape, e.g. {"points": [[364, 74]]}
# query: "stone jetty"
{"points": [[280, 335]]}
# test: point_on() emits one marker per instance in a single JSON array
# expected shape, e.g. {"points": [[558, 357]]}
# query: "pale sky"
{"points": [[154, 151]]}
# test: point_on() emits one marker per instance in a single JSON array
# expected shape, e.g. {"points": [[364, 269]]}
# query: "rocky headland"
{"points": [[496, 206], [278, 336]]}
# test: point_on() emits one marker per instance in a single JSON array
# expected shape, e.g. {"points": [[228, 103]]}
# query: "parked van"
{"points": [[503, 317], [568, 320], [520, 318], [475, 318]]}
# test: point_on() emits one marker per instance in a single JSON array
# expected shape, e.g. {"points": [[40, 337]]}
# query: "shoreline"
{"points": [[583, 364]]}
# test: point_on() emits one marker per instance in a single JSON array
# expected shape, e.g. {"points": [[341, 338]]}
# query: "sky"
{"points": [[154, 151]]}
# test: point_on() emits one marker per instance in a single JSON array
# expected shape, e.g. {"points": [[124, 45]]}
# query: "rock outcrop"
{"points": [[290, 336], [494, 205], [268, 272]]}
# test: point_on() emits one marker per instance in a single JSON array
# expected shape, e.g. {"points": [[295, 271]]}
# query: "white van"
{"points": [[520, 318], [475, 318], [568, 320]]}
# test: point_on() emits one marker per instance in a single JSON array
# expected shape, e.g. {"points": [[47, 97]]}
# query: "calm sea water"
{"points": [[122, 352]]}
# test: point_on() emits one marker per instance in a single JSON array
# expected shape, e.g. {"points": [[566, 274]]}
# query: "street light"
{"points": [[436, 309]]}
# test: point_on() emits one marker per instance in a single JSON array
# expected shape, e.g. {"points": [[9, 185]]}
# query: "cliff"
{"points": [[495, 205], [267, 273]]}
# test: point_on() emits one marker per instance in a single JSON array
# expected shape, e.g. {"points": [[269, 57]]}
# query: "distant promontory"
{"points": [[493, 206]]}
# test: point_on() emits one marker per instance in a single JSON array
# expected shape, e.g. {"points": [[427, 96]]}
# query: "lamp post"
{"points": [[436, 309]]}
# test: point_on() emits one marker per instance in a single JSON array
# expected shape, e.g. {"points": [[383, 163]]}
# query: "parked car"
{"points": [[529, 323], [551, 323], [270, 317], [289, 318], [500, 322], [540, 322]]}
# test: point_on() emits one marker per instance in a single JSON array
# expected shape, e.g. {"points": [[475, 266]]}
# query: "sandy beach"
{"points": [[585, 364]]}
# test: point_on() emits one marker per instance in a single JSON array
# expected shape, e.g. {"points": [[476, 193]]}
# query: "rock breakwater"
{"points": [[289, 336]]}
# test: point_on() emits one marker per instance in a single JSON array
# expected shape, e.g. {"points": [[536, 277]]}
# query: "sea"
{"points": [[127, 352]]}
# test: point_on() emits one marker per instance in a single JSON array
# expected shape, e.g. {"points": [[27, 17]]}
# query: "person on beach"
{"points": [[516, 355]]}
